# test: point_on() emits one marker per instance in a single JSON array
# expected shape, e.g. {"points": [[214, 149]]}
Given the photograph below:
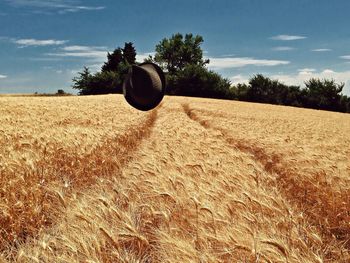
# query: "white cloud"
{"points": [[287, 37], [238, 62], [345, 57], [91, 52], [283, 48], [82, 48], [36, 42], [306, 71], [3, 76], [62, 6], [142, 56], [238, 79], [321, 50], [328, 71]]}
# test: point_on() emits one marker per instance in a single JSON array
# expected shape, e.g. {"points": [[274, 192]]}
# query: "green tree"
{"points": [[129, 53], [175, 53], [239, 92], [323, 94], [113, 60], [182, 59], [265, 90], [196, 80], [82, 82], [110, 79]]}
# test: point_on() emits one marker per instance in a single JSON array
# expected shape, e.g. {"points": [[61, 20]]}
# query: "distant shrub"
{"points": [[196, 80], [60, 92], [317, 94], [323, 94]]}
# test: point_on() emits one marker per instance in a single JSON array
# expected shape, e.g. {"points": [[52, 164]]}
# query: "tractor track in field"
{"points": [[331, 221], [71, 173]]}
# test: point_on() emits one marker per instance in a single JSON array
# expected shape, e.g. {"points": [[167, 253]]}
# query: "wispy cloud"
{"points": [[61, 6], [306, 71], [3, 76], [82, 48], [321, 50], [287, 37], [37, 42], [238, 62], [91, 52], [283, 48], [239, 79]]}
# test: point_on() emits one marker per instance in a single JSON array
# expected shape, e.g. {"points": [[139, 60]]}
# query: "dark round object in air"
{"points": [[144, 86]]}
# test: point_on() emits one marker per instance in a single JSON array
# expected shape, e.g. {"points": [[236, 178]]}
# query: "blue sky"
{"points": [[43, 44]]}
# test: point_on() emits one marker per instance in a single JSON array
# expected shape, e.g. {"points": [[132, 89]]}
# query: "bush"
{"points": [[110, 78], [318, 94], [198, 81], [323, 94], [99, 83]]}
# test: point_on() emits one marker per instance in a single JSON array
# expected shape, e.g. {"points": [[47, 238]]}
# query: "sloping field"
{"points": [[89, 179]]}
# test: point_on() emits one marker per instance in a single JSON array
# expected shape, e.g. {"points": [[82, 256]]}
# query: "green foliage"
{"points": [[323, 94], [82, 82], [318, 94], [264, 90], [175, 53], [99, 83], [129, 53], [239, 92], [113, 60], [196, 80], [110, 79], [182, 59]]}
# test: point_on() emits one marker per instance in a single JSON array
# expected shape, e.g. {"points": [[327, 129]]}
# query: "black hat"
{"points": [[144, 86]]}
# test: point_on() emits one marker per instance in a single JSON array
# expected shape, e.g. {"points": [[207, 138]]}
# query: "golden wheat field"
{"points": [[89, 179]]}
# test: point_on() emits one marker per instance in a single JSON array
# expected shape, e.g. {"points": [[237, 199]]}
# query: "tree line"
{"points": [[181, 58]]}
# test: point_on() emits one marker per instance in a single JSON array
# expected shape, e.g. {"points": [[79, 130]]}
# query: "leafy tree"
{"points": [[105, 83], [239, 92], [99, 83], [112, 74], [196, 80], [176, 53], [113, 60], [129, 53], [323, 94], [265, 90], [82, 82], [293, 96], [182, 59]]}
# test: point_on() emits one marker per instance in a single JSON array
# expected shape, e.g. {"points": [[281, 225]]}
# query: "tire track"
{"points": [[332, 220], [60, 173]]}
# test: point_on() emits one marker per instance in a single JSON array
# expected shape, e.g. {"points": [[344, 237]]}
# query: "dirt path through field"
{"points": [[186, 196], [311, 200], [58, 174]]}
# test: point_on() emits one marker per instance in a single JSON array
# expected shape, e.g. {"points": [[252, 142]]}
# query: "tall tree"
{"points": [[175, 53], [129, 53], [113, 60], [82, 82]]}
